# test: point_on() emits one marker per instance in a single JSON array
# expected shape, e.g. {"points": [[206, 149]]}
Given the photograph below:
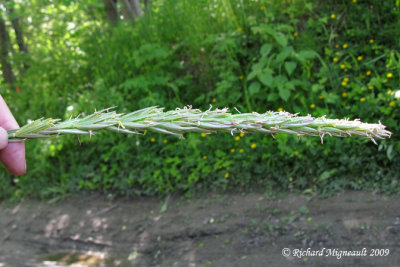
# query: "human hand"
{"points": [[11, 155]]}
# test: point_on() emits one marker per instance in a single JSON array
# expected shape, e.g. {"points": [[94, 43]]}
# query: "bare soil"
{"points": [[211, 230]]}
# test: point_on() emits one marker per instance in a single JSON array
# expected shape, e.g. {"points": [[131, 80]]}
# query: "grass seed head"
{"points": [[179, 121]]}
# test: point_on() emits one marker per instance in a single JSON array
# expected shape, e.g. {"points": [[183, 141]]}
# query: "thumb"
{"points": [[3, 138]]}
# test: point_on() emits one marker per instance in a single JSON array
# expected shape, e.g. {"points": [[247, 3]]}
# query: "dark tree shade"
{"points": [[4, 43], [19, 36], [111, 11]]}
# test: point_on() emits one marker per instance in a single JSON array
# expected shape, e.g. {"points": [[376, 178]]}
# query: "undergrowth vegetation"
{"points": [[334, 58]]}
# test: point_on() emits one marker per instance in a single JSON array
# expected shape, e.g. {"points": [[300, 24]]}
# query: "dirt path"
{"points": [[215, 230]]}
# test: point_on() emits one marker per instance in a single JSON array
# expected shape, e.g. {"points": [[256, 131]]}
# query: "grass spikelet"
{"points": [[179, 121]]}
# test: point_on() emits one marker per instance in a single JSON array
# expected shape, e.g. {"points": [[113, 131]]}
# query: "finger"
{"points": [[13, 158], [13, 155], [7, 120], [3, 138]]}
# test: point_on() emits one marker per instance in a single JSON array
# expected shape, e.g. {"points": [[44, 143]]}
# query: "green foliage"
{"points": [[330, 58]]}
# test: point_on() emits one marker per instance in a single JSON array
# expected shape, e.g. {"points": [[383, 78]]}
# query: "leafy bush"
{"points": [[330, 58]]}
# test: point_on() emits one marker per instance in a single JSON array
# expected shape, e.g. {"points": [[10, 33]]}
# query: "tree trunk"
{"points": [[138, 9], [4, 44], [132, 9], [146, 5], [20, 38], [111, 11]]}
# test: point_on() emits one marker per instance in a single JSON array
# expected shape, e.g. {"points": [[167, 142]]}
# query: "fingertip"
{"points": [[3, 138], [13, 158], [19, 171]]}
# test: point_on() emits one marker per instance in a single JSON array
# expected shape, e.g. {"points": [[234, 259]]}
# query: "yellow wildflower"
{"points": [[335, 59], [345, 46], [342, 66], [321, 97], [312, 106], [389, 92], [389, 75], [337, 46], [370, 87], [359, 182], [359, 58], [165, 141], [346, 79], [280, 109], [333, 16], [392, 104], [362, 99], [214, 100], [368, 73], [253, 146], [291, 179], [354, 1], [203, 135], [295, 34], [227, 175], [344, 83], [233, 150], [204, 157], [237, 138], [152, 140], [344, 94], [371, 41], [241, 150], [241, 77], [241, 134]]}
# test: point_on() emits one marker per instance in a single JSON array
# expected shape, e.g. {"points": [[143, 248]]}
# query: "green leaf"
{"points": [[328, 52], [280, 80], [252, 75], [280, 39], [331, 98], [286, 52], [284, 92], [265, 49], [254, 88], [256, 69], [325, 176], [307, 54], [390, 153], [272, 97], [315, 88], [266, 78], [259, 29], [290, 67], [290, 85]]}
